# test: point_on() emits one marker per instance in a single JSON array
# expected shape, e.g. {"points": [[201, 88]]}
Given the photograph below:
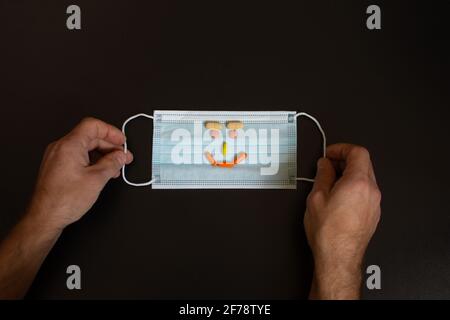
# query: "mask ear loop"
{"points": [[324, 139], [125, 150]]}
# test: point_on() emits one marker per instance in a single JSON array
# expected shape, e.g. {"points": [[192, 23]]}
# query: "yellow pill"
{"points": [[213, 125], [224, 149], [235, 125]]}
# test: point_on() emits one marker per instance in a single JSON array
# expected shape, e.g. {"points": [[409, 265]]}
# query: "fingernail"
{"points": [[129, 156]]}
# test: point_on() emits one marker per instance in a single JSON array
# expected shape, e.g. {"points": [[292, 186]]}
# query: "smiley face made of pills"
{"points": [[214, 128]]}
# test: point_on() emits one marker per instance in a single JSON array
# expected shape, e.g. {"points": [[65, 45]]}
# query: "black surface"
{"points": [[387, 90]]}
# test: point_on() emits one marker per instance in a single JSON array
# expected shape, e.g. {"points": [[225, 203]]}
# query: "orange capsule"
{"points": [[225, 164], [240, 157], [210, 158]]}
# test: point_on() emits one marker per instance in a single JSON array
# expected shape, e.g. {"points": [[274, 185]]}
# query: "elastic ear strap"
{"points": [[125, 150], [324, 138]]}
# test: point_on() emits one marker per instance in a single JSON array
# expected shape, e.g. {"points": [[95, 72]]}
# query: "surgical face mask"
{"points": [[224, 149]]}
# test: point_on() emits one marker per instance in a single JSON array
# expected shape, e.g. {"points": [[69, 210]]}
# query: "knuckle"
{"points": [[362, 185], [315, 198], [88, 120], [56, 146], [360, 151], [51, 146], [63, 146], [376, 194], [365, 187], [378, 217]]}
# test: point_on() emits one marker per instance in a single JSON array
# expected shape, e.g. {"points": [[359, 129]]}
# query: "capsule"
{"points": [[224, 149], [235, 125], [225, 164], [240, 157], [213, 125], [210, 158]]}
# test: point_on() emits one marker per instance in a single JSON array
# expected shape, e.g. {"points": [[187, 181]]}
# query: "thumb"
{"points": [[109, 165], [325, 176]]}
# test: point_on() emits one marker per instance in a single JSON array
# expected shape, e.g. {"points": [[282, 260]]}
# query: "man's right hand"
{"points": [[343, 210]]}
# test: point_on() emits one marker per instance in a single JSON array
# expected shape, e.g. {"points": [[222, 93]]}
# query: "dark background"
{"points": [[387, 90]]}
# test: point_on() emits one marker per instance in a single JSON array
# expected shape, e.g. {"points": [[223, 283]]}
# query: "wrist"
{"points": [[43, 219], [34, 233], [336, 279]]}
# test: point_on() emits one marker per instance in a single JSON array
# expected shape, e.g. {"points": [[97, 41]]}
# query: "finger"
{"points": [[103, 146], [325, 176], [356, 159], [129, 157], [108, 166], [372, 173], [117, 175], [339, 166], [98, 153], [91, 129]]}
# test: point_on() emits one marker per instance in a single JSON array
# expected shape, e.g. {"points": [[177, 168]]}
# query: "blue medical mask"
{"points": [[224, 149]]}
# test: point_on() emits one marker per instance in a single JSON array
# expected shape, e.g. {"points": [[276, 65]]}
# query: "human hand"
{"points": [[341, 216], [70, 180]]}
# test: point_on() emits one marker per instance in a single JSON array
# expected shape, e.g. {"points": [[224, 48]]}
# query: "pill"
{"points": [[210, 158], [224, 149], [233, 134], [214, 133], [240, 157], [213, 125], [225, 164], [234, 125]]}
